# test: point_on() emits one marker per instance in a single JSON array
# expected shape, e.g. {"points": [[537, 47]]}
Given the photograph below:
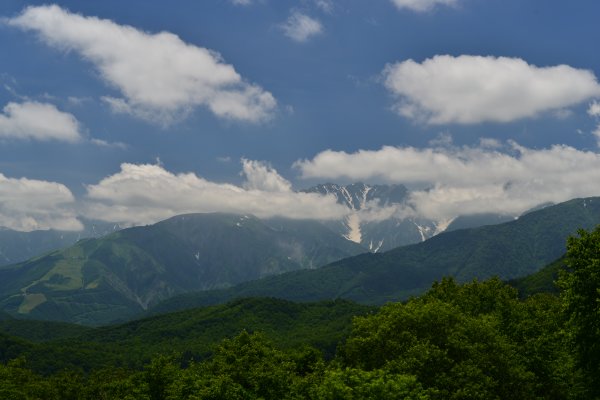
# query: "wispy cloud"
{"points": [[594, 109], [224, 159], [104, 143], [300, 27], [325, 5], [594, 112], [423, 5]]}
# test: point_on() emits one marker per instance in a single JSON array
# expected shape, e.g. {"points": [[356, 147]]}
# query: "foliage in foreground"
{"points": [[471, 341]]}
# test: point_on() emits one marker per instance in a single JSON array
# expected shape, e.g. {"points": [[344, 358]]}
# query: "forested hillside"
{"points": [[116, 277], [477, 340]]}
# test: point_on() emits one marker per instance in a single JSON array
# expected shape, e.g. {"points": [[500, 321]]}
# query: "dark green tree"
{"points": [[580, 285], [19, 383], [451, 353]]}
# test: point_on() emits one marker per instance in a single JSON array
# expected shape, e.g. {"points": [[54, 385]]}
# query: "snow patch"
{"points": [[375, 249], [363, 202], [354, 233], [348, 198], [423, 231], [442, 225]]}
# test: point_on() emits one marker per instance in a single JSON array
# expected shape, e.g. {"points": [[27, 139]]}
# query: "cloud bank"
{"points": [[473, 89], [160, 77], [300, 27], [27, 205], [38, 121], [144, 194], [469, 180]]}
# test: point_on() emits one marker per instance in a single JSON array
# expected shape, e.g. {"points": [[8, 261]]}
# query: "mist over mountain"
{"points": [[111, 274], [379, 218], [383, 217], [508, 250], [17, 246]]}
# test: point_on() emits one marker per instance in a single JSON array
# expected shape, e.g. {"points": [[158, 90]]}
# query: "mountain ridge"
{"points": [[125, 272], [507, 250]]}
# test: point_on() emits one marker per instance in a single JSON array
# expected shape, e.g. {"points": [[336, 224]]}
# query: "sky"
{"points": [[135, 111]]}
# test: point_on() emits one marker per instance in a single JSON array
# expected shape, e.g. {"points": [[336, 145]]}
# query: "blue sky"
{"points": [[121, 110]]}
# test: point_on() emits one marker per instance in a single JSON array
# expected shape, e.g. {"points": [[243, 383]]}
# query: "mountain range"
{"points": [[200, 259], [508, 250], [399, 224], [17, 246], [114, 277]]}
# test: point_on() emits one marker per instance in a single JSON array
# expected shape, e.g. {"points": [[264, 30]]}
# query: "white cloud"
{"points": [[143, 194], [490, 143], [469, 180], [594, 109], [596, 133], [160, 76], [27, 205], [241, 2], [472, 89], [261, 176], [422, 5], [104, 143], [38, 121], [78, 101], [300, 27], [325, 5]]}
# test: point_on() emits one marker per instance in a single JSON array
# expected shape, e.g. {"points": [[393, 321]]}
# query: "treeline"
{"points": [[473, 341]]}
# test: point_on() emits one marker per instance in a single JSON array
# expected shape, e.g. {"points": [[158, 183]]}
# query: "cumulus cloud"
{"points": [[422, 5], [38, 121], [160, 76], [300, 27], [27, 205], [261, 176], [143, 194], [472, 89], [469, 180]]}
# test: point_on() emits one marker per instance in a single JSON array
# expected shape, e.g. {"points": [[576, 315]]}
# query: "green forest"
{"points": [[478, 340]]}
